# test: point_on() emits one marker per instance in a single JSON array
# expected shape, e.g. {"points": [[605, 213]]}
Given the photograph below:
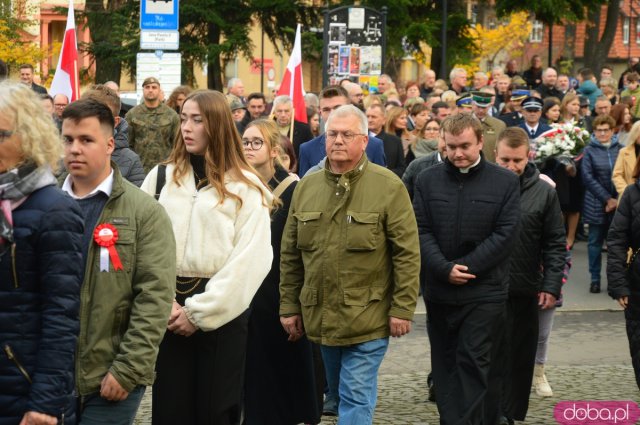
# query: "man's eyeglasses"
{"points": [[603, 130], [347, 136], [253, 144], [4, 134], [60, 106]]}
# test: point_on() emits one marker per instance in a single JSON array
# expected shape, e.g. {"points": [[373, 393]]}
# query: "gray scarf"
{"points": [[16, 185], [424, 147]]}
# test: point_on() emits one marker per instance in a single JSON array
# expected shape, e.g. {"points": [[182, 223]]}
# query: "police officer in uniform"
{"points": [[515, 118]]}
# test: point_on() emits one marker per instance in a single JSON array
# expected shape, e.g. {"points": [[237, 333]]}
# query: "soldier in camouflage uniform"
{"points": [[152, 126]]}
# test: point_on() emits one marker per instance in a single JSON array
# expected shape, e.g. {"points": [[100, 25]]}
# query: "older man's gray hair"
{"points": [[232, 82], [350, 110], [455, 72], [281, 100]]}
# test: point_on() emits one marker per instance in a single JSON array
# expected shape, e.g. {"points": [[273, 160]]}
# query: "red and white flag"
{"points": [[292, 81], [66, 79]]}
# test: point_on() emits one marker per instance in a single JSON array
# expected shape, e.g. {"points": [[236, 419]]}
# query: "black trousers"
{"points": [[632, 318], [466, 381], [518, 355], [199, 378]]}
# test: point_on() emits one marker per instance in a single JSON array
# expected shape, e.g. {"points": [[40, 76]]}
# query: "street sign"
{"points": [[159, 15], [159, 40], [166, 68]]}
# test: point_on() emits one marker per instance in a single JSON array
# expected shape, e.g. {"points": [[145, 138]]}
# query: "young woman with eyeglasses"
{"points": [[219, 209], [278, 370]]}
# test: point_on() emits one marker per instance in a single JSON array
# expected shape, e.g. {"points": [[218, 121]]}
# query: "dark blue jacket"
{"points": [[597, 168], [312, 152], [542, 127], [39, 302], [467, 219]]}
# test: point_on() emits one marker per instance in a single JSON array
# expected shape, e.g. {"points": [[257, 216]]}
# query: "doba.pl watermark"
{"points": [[597, 412]]}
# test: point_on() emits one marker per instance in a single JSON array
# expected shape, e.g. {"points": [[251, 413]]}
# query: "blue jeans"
{"points": [[597, 235], [96, 410], [352, 373]]}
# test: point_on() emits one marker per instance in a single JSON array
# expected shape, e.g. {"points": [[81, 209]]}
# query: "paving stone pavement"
{"points": [[588, 360]]}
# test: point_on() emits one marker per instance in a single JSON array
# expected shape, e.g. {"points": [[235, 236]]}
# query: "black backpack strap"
{"points": [[160, 180]]}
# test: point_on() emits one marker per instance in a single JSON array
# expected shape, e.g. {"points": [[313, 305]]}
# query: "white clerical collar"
{"points": [[105, 187], [466, 170]]}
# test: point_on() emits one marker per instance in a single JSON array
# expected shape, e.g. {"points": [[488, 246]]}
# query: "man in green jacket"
{"points": [[350, 264], [129, 278]]}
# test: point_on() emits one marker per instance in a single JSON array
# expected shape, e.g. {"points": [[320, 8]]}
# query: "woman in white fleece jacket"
{"points": [[219, 209]]}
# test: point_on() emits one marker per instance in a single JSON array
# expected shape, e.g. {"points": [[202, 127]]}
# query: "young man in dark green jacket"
{"points": [[129, 278]]}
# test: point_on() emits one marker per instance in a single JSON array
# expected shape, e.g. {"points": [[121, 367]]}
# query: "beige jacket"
{"points": [[623, 170]]}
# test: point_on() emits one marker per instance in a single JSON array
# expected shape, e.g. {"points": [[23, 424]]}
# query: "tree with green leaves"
{"points": [[421, 21], [552, 12]]}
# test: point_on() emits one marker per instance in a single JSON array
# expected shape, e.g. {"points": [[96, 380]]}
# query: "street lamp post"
{"points": [[443, 38]]}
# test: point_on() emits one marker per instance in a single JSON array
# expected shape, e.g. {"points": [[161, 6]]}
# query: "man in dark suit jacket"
{"points": [[283, 116], [532, 111], [392, 143], [26, 76]]}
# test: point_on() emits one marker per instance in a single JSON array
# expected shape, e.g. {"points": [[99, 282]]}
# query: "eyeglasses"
{"points": [[61, 106], [253, 144], [347, 136], [4, 134], [603, 130]]}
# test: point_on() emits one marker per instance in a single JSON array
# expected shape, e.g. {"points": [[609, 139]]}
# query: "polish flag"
{"points": [[66, 79], [292, 81]]}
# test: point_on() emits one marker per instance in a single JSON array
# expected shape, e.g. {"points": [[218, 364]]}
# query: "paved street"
{"points": [[588, 359]]}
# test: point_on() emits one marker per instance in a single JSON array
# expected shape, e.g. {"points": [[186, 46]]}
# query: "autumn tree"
{"points": [[14, 48], [508, 36], [552, 12]]}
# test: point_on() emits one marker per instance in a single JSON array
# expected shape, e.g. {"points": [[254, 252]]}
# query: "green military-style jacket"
{"points": [[152, 132], [491, 129], [350, 255], [124, 313]]}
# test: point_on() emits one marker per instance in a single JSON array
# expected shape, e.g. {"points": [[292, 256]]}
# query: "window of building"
{"points": [[638, 31], [537, 30], [625, 30]]}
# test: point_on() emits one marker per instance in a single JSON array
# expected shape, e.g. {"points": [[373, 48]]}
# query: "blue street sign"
{"points": [[159, 15]]}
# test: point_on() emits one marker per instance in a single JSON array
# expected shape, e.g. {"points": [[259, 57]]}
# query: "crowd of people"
{"points": [[251, 267]]}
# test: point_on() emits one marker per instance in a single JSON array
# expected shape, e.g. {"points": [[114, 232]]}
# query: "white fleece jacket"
{"points": [[230, 246]]}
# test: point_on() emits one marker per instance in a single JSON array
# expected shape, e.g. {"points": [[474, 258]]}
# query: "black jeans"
{"points": [[199, 378], [462, 346]]}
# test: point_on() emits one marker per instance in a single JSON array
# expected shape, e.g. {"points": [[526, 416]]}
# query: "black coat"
{"points": [[467, 219], [128, 161], [39, 307], [546, 91], [279, 382], [624, 233], [538, 257], [393, 152], [301, 134]]}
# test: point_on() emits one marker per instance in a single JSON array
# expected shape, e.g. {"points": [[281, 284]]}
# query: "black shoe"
{"points": [[506, 421], [431, 388], [595, 288]]}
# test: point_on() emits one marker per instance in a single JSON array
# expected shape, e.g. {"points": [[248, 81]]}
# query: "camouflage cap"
{"points": [[150, 80]]}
